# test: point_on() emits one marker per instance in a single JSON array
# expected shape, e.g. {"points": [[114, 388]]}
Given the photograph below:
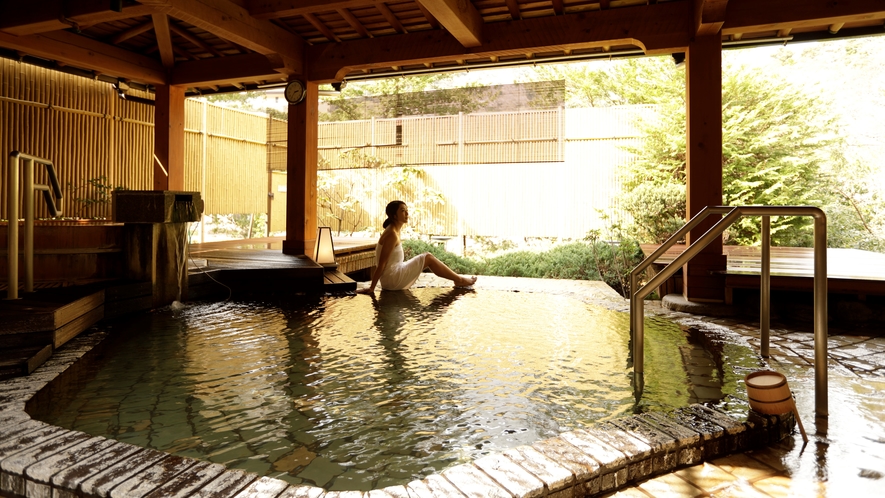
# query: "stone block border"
{"points": [[41, 460]]}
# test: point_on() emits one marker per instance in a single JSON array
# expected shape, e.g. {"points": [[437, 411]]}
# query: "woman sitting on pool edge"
{"points": [[391, 271]]}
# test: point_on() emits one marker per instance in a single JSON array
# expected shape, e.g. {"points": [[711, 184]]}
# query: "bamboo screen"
{"points": [[91, 136], [479, 138], [98, 141], [226, 158]]}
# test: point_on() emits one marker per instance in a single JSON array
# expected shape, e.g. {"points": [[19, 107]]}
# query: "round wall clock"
{"points": [[295, 92]]}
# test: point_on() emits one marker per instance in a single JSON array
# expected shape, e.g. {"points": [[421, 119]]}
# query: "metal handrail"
{"points": [[55, 208], [732, 214]]}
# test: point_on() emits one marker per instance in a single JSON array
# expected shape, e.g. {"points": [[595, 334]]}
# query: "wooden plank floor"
{"points": [[792, 268]]}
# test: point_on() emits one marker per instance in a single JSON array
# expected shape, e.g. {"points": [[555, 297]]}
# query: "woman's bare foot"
{"points": [[465, 281]]}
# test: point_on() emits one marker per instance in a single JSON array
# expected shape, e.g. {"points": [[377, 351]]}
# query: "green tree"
{"points": [[406, 96], [247, 101], [775, 141]]}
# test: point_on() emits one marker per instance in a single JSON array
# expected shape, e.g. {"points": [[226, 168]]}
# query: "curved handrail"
{"points": [[732, 214], [12, 193]]}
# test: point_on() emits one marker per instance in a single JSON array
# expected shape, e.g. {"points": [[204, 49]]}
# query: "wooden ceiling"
{"points": [[227, 45]]}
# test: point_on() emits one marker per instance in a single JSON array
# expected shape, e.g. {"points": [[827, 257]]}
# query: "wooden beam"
{"points": [[354, 23], [391, 17], [657, 29], [558, 7], [164, 39], [312, 19], [131, 32], [427, 15], [709, 16], [80, 51], [26, 18], [513, 7], [746, 16], [231, 22], [225, 70], [274, 9], [196, 40], [460, 18]]}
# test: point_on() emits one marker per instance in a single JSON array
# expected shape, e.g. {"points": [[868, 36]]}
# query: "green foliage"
{"points": [[464, 266], [658, 210], [411, 186], [613, 83], [92, 193], [853, 218], [775, 141], [594, 260], [240, 225], [407, 96], [247, 101]]}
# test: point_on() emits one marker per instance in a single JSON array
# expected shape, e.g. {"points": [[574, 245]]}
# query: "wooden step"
{"points": [[16, 362], [335, 281], [32, 327]]}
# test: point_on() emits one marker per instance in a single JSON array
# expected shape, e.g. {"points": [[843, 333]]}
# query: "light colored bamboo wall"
{"points": [[81, 126], [480, 138], [227, 158], [88, 132]]}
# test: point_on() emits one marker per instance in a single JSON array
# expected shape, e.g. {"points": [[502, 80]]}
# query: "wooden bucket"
{"points": [[770, 394]]}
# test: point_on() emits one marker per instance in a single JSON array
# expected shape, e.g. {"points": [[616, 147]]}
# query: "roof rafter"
{"points": [[513, 7], [354, 23], [132, 32], [22, 18], [661, 28], [164, 39], [228, 20], [427, 15], [460, 18], [187, 35], [271, 9], [558, 7], [76, 50], [312, 19], [391, 17]]}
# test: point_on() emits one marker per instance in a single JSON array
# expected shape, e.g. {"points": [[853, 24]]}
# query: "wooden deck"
{"points": [[849, 271]]}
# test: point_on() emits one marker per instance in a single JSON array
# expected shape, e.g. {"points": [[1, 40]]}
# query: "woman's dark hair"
{"points": [[390, 210]]}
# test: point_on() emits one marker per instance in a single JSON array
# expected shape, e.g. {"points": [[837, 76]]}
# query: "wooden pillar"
{"points": [[169, 138], [301, 178], [702, 278]]}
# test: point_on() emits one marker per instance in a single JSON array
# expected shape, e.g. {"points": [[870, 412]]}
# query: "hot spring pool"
{"points": [[351, 393]]}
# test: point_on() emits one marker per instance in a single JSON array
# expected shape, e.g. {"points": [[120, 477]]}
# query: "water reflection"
{"points": [[358, 393]]}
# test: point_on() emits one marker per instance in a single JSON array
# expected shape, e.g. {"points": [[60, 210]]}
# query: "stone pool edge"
{"points": [[41, 460]]}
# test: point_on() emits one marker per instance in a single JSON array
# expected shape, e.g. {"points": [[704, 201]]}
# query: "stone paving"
{"points": [[37, 459]]}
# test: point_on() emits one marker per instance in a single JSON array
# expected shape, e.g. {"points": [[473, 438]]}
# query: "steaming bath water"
{"points": [[355, 393]]}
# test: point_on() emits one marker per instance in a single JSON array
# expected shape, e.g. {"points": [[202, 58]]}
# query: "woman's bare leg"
{"points": [[441, 270]]}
